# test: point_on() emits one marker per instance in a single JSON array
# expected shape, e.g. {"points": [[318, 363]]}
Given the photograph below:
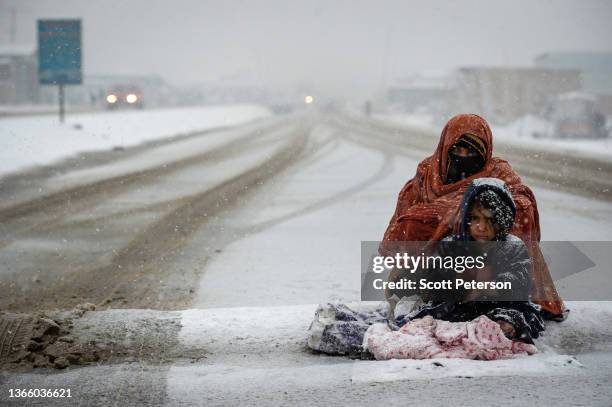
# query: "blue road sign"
{"points": [[59, 52]]}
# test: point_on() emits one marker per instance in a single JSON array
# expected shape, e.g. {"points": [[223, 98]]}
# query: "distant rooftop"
{"points": [[575, 54]]}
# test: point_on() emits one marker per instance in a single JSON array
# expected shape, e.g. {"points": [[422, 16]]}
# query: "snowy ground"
{"points": [[257, 356], [270, 361], [309, 226], [20, 110], [294, 243], [301, 235], [521, 132], [36, 140]]}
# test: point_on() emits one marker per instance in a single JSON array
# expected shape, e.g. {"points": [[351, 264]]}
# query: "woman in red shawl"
{"points": [[428, 205]]}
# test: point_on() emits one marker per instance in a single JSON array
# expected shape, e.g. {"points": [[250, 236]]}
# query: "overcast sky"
{"points": [[340, 46]]}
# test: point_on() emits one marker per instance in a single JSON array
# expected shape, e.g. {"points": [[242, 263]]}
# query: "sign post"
{"points": [[61, 102], [59, 56]]}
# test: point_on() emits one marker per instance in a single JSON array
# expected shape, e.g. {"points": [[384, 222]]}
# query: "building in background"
{"points": [[18, 75], [595, 67], [429, 94], [503, 94], [595, 72]]}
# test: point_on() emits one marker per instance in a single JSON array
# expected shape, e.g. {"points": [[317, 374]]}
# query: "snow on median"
{"points": [[37, 140], [262, 342], [252, 348]]}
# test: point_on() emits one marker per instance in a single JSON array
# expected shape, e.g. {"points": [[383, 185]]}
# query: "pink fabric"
{"points": [[427, 338]]}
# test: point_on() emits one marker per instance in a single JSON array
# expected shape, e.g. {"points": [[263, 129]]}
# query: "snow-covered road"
{"points": [[298, 240], [299, 243], [302, 245], [262, 265], [40, 139]]}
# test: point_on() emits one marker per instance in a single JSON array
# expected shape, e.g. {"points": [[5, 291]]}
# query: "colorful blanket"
{"points": [[427, 338]]}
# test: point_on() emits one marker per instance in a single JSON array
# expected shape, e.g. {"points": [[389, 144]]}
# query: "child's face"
{"points": [[481, 224]]}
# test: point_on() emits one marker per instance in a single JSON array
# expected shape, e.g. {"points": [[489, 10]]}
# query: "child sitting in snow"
{"points": [[486, 218]]}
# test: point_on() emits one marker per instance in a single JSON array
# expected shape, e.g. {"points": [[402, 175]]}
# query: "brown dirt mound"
{"points": [[43, 340]]}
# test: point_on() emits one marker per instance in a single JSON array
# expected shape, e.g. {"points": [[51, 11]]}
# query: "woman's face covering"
{"points": [[463, 162]]}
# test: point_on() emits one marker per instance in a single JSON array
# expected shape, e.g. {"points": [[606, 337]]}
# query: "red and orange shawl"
{"points": [[427, 209]]}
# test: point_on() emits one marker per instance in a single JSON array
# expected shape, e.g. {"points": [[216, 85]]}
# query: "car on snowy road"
{"points": [[124, 96]]}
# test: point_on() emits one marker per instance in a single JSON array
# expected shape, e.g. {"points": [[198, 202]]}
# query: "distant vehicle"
{"points": [[124, 96], [575, 115]]}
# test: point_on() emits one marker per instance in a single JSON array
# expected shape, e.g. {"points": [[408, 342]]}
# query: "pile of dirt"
{"points": [[43, 340]]}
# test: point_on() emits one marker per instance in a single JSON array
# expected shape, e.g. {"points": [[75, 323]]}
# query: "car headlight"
{"points": [[131, 98], [111, 99]]}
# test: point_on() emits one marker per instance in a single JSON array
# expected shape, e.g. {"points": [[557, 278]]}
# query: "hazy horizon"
{"points": [[339, 48]]}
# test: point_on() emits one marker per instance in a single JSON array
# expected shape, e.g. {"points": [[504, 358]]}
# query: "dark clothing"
{"points": [[510, 263], [507, 257], [507, 260], [428, 206], [339, 330]]}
